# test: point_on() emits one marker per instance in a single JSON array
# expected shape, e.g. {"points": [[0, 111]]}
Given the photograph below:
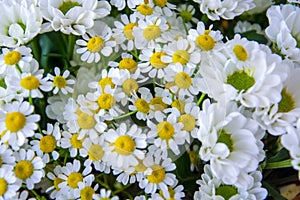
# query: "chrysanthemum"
{"points": [[163, 7], [186, 12], [245, 26], [127, 62], [56, 106], [141, 104], [120, 4], [105, 194], [125, 146], [54, 189], [72, 17], [8, 182], [85, 189], [21, 22], [95, 43], [6, 156], [174, 192], [61, 82], [17, 123], [71, 142], [28, 168]]}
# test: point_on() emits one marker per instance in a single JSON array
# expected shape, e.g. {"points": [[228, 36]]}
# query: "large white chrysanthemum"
{"points": [[20, 22]]}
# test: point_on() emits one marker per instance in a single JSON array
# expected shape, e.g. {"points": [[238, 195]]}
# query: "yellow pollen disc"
{"points": [[73, 179], [95, 152], [158, 104], [142, 106], [129, 64], [160, 3], [106, 81], [240, 52], [30, 82], [205, 42], [87, 193], [152, 32], [165, 130], [59, 82], [77, 144], [155, 60], [3, 186], [145, 9], [130, 86], [24, 169], [183, 80], [181, 56], [140, 167], [179, 104], [106, 101], [188, 121], [95, 44], [128, 29], [12, 57], [124, 145], [158, 174], [56, 182], [85, 121], [15, 121], [47, 144]]}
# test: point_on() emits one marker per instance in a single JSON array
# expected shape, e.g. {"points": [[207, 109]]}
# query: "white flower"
{"points": [[60, 82], [105, 194], [56, 106], [28, 168], [245, 26], [6, 156], [174, 192], [120, 4], [9, 184], [95, 41], [54, 189], [71, 142], [20, 23], [85, 189], [17, 123], [260, 6], [186, 12]]}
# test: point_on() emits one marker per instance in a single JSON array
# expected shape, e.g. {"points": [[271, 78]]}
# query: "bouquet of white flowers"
{"points": [[149, 99]]}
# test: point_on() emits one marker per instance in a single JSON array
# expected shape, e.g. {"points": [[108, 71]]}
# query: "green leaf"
{"points": [[272, 191], [252, 35]]}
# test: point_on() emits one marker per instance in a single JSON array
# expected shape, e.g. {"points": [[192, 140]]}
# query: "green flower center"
{"points": [[287, 102], [225, 138], [186, 15], [226, 191], [67, 5], [240, 80]]}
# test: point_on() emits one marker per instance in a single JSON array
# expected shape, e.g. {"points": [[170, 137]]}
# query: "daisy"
{"points": [[105, 194], [8, 182], [174, 192], [60, 82], [186, 12], [56, 106], [28, 168], [96, 42], [71, 142], [21, 22], [120, 4], [127, 62], [6, 156], [17, 123], [47, 143], [125, 146], [108, 77], [54, 189], [245, 26], [163, 7], [141, 104], [85, 189]]}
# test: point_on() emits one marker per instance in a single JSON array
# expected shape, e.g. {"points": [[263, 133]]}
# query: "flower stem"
{"points": [[201, 99], [279, 164], [125, 115], [71, 44]]}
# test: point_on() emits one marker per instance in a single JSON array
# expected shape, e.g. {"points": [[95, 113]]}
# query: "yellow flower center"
{"points": [[106, 81], [158, 104], [158, 174], [287, 102], [74, 178], [95, 152], [130, 86], [171, 192], [56, 182], [77, 144], [3, 186], [160, 3], [205, 42], [240, 52], [140, 167], [152, 32], [179, 104], [183, 80], [15, 121], [47, 144], [85, 121], [124, 145], [30, 82], [87, 193], [24, 169], [181, 56], [142, 105], [67, 5], [59, 82], [128, 29], [95, 44], [165, 130], [106, 101], [193, 157], [129, 64], [188, 121], [155, 60], [12, 57], [145, 9]]}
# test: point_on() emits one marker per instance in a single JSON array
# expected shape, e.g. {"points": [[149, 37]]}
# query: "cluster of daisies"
{"points": [[151, 85]]}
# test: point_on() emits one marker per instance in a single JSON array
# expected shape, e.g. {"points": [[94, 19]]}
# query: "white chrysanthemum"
{"points": [[47, 142], [72, 17], [260, 6], [227, 9], [84, 76], [120, 4], [30, 82], [283, 29], [28, 168], [71, 142], [61, 82], [85, 189], [245, 26], [17, 123], [9, 184], [126, 145], [174, 192], [95, 43], [56, 106], [23, 195], [105, 194], [20, 22], [127, 62], [11, 59], [54, 189], [141, 104], [6, 156], [228, 141], [186, 12], [162, 7]]}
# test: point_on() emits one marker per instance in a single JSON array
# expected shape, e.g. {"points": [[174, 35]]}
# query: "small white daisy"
{"points": [[105, 194], [61, 82], [54, 189], [85, 189], [71, 142], [127, 62], [186, 12], [9, 184], [6, 156]]}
